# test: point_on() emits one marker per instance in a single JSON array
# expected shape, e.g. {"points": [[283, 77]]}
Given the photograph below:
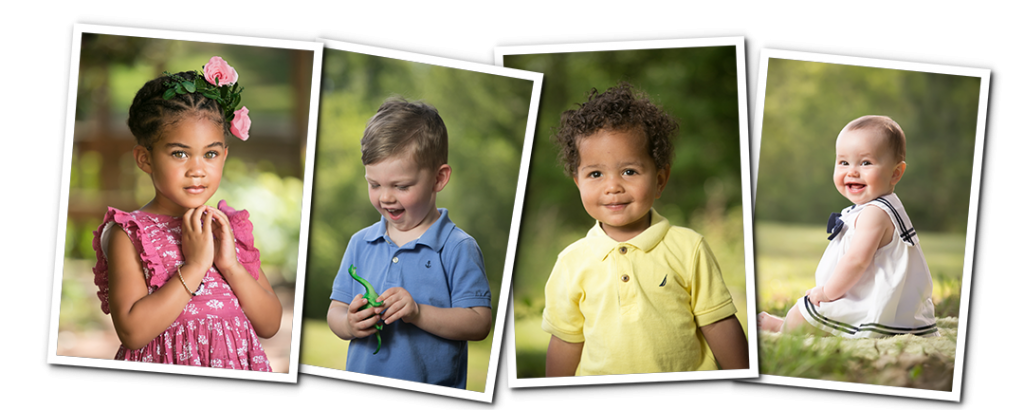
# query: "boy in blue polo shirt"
{"points": [[436, 295]]}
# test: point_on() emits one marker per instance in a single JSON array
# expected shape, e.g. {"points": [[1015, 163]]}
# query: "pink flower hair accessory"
{"points": [[219, 73], [241, 123], [219, 83]]}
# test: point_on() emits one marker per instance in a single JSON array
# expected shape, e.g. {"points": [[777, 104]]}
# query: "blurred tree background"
{"points": [[262, 175], [697, 86], [808, 103], [486, 118]]}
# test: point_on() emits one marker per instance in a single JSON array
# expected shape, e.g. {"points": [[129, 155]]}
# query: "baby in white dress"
{"points": [[873, 280]]}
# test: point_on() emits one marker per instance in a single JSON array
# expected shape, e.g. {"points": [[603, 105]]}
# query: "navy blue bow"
{"points": [[835, 225]]}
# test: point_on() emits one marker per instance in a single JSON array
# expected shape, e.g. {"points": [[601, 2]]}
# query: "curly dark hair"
{"points": [[150, 113], [620, 108]]}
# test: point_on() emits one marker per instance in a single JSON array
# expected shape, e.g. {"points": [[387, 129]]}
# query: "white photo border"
{"points": [[506, 278], [741, 87], [972, 218], [69, 135]]}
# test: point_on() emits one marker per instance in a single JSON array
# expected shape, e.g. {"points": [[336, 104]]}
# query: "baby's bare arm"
{"points": [[874, 230], [728, 343]]}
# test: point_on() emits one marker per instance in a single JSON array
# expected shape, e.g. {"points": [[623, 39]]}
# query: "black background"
{"points": [[962, 42]]}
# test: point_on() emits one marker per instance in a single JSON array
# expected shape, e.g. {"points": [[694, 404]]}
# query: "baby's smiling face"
{"points": [[865, 167]]}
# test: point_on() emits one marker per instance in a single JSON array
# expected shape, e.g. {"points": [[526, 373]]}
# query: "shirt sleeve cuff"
{"points": [[472, 302], [567, 336], [720, 312]]}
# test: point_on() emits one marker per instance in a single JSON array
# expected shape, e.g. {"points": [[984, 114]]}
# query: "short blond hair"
{"points": [[888, 128], [401, 126]]}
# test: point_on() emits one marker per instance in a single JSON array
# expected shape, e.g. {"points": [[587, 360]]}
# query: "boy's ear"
{"points": [[142, 158], [444, 173], [663, 179], [897, 173]]}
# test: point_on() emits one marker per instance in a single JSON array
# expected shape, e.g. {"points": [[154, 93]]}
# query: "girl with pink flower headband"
{"points": [[182, 280]]}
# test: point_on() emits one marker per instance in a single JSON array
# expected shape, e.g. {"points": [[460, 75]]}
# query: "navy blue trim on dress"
{"points": [[867, 327], [905, 234]]}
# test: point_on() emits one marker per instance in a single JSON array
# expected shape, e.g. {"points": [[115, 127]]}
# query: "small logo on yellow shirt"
{"points": [[663, 281]]}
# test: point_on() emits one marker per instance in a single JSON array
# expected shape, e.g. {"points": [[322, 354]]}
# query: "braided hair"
{"points": [[150, 113]]}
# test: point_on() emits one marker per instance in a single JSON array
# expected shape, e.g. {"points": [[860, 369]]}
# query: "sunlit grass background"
{"points": [[320, 347]]}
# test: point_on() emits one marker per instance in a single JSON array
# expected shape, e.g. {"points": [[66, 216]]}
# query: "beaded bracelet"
{"points": [[199, 289]]}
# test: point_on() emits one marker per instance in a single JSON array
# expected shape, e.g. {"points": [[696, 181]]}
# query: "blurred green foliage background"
{"points": [[486, 118], [806, 104], [262, 175], [697, 86]]}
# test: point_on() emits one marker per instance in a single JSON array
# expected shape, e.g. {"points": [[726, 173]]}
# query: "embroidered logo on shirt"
{"points": [[663, 281], [428, 264]]}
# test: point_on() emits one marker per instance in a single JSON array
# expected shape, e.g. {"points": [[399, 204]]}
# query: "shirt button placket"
{"points": [[625, 276], [627, 290]]}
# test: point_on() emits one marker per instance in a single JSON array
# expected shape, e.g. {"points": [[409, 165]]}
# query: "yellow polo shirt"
{"points": [[637, 305]]}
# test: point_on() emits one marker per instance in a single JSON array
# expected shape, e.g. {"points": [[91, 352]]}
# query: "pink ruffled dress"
{"points": [[212, 330]]}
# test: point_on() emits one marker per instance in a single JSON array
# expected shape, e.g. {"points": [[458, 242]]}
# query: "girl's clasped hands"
{"points": [[207, 240]]}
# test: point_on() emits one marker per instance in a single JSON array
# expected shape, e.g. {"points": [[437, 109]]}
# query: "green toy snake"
{"points": [[371, 299]]}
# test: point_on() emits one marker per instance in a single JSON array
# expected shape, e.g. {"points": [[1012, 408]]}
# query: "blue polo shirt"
{"points": [[443, 268]]}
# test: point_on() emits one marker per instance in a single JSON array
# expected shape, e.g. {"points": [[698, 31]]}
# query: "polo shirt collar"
{"points": [[434, 237], [602, 244]]}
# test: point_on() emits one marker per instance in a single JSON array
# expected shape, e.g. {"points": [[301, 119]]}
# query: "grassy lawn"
{"points": [[786, 257], [320, 347]]}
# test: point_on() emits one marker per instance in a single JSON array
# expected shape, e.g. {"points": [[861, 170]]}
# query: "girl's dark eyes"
{"points": [[629, 172], [182, 154], [595, 174]]}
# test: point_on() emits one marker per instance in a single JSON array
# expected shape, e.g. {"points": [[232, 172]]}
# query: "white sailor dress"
{"points": [[893, 297]]}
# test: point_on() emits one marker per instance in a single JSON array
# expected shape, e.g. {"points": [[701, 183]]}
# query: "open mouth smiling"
{"points": [[854, 187]]}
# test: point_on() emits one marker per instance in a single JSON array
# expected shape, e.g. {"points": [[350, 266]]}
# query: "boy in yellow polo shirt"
{"points": [[636, 295]]}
